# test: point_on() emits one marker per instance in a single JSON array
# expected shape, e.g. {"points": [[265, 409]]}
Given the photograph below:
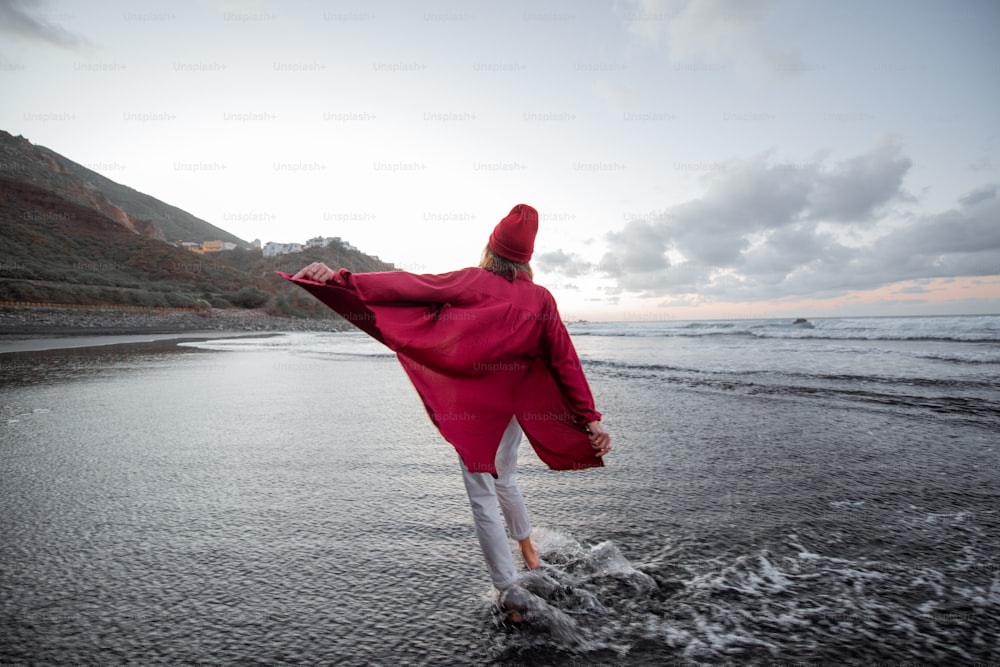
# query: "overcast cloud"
{"points": [[23, 19], [767, 229], [721, 154], [734, 32]]}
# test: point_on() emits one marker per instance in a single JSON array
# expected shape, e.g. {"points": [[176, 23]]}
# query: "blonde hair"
{"points": [[502, 266]]}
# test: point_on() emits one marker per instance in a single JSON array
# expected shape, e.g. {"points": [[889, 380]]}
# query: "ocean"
{"points": [[815, 493]]}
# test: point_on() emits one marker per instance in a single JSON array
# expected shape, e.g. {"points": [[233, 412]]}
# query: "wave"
{"points": [[348, 344], [985, 329], [987, 357], [729, 375], [970, 399]]}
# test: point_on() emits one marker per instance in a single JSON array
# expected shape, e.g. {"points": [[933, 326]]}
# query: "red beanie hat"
{"points": [[514, 237]]}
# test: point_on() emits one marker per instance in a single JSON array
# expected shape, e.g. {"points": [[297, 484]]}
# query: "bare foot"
{"points": [[514, 603], [514, 615], [529, 553]]}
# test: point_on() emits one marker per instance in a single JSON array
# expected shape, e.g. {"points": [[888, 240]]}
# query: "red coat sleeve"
{"points": [[563, 363], [343, 299], [404, 303], [400, 287]]}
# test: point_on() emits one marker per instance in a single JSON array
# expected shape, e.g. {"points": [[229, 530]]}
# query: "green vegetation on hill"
{"points": [[55, 251]]}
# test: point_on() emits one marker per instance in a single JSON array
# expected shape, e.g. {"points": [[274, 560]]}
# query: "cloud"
{"points": [[617, 97], [20, 18], [914, 289], [774, 230], [785, 254], [758, 199], [639, 248], [978, 195], [964, 241], [730, 32], [559, 261]]}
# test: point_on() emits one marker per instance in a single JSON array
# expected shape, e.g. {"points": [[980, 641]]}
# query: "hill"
{"points": [[40, 166], [63, 241]]}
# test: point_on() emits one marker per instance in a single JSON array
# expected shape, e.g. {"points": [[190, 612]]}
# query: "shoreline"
{"points": [[31, 329]]}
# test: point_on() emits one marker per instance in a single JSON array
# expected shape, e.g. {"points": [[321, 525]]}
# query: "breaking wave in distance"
{"points": [[984, 328]]}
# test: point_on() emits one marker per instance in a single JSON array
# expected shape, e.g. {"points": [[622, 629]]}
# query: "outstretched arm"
{"points": [[332, 289], [383, 287]]}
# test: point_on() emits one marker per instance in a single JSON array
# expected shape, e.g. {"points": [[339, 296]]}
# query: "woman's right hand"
{"points": [[600, 439], [317, 272]]}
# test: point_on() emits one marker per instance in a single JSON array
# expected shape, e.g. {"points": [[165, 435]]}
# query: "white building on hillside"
{"points": [[272, 248], [320, 241]]}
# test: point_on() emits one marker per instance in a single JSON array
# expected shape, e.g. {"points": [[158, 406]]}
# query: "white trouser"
{"points": [[484, 492]]}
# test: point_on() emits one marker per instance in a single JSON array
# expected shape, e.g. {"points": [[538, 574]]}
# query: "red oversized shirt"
{"points": [[479, 349]]}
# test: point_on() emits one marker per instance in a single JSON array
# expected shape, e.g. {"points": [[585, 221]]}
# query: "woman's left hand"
{"points": [[317, 272]]}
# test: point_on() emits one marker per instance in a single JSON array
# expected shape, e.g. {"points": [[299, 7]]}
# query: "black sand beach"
{"points": [[284, 499]]}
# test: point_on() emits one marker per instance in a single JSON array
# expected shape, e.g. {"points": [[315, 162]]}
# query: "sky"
{"points": [[690, 159]]}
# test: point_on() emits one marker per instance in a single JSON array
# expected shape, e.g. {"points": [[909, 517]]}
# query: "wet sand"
{"points": [[14, 343]]}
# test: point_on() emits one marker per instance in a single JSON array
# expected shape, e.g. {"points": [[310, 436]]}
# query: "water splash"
{"points": [[573, 602], [591, 603]]}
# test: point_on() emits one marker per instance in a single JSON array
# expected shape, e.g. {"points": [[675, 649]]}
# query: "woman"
{"points": [[491, 359]]}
